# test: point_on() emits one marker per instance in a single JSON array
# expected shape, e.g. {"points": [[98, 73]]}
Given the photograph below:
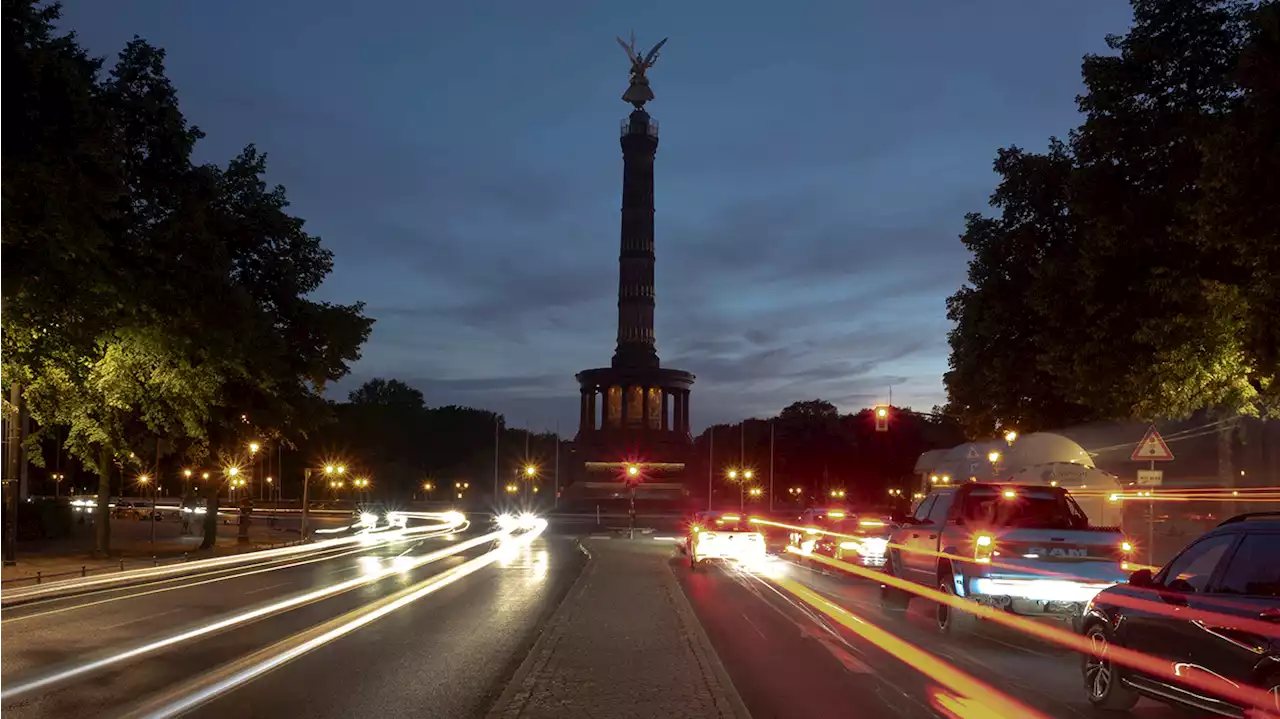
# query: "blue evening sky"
{"points": [[461, 159]]}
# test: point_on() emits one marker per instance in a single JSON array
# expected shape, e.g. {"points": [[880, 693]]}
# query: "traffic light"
{"points": [[882, 419]]}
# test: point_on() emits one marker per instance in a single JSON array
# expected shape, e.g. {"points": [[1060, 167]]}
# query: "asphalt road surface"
{"points": [[787, 660], [444, 653]]}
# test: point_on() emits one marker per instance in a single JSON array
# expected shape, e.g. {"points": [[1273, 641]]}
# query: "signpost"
{"points": [[1150, 478], [1151, 449]]}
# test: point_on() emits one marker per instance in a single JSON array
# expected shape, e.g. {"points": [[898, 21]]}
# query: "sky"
{"points": [[461, 160]]}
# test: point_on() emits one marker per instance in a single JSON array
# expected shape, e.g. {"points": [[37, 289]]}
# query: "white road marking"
{"points": [[263, 589], [142, 619]]}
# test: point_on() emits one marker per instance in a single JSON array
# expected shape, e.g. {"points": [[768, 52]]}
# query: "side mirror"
{"points": [[1181, 586], [1142, 579]]}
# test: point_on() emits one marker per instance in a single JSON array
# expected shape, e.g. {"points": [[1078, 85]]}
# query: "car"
{"points": [[855, 536], [1210, 618], [723, 535], [1021, 548]]}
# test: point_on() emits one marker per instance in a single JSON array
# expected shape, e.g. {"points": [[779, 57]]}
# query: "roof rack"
{"points": [[1250, 515]]}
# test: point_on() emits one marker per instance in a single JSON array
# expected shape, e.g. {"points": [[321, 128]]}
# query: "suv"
{"points": [[1211, 618]]}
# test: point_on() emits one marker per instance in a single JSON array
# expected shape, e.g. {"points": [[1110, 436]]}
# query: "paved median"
{"points": [[624, 643]]}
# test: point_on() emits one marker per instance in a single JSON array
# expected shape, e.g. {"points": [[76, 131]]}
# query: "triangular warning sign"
{"points": [[1152, 448], [973, 452]]}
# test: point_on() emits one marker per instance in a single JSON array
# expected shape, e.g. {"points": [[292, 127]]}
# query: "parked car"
{"points": [[1210, 617]]}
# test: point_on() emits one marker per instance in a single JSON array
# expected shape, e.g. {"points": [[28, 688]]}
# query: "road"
{"points": [[485, 620], [789, 661]]}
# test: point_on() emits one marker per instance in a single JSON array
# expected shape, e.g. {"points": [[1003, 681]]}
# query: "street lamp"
{"points": [[330, 470], [144, 480], [837, 494], [993, 456], [1010, 436]]}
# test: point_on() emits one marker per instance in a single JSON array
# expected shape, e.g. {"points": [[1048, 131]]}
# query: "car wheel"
{"points": [[953, 621], [1102, 677]]}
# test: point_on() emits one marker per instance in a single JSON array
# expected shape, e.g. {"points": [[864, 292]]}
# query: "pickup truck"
{"points": [[1025, 549]]}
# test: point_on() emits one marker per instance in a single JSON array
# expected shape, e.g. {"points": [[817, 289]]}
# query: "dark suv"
{"points": [[1208, 623]]}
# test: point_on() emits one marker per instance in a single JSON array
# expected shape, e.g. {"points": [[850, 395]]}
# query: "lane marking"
{"points": [[263, 589], [140, 619], [753, 626]]}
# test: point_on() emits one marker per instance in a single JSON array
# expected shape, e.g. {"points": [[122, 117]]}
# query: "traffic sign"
{"points": [[1152, 448], [1150, 478], [973, 453]]}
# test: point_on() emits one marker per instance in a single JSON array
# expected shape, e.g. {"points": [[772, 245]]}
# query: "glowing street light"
{"points": [[530, 471], [254, 447], [633, 471], [1010, 436], [993, 456]]}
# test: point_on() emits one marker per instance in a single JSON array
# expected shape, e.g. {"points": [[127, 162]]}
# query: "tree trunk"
{"points": [[210, 491], [102, 544]]}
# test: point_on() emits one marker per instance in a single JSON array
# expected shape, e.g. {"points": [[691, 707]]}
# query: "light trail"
{"points": [[928, 552], [232, 574], [1244, 695], [255, 665], [455, 518], [978, 696], [16, 689]]}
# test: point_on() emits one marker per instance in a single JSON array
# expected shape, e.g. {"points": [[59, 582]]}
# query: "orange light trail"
{"points": [[1244, 695], [978, 696]]}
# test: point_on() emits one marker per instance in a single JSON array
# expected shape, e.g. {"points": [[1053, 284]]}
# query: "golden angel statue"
{"points": [[639, 93]]}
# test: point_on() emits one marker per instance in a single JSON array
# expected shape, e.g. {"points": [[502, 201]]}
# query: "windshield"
{"points": [[1026, 509]]}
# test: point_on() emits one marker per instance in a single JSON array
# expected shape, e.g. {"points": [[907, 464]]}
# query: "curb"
{"points": [[520, 688], [727, 698]]}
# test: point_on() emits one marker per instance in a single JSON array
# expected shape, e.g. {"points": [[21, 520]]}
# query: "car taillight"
{"points": [[984, 545]]}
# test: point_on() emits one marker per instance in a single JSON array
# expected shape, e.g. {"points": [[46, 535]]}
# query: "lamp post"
{"points": [[330, 470], [530, 474], [257, 475], [633, 479], [144, 480]]}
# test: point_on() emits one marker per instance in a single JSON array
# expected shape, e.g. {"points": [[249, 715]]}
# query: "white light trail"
{"points": [[271, 567], [305, 642], [15, 689], [445, 518]]}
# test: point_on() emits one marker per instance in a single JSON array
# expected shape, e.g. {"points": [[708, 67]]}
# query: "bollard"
{"points": [[82, 570], [122, 565], [155, 562], [37, 576]]}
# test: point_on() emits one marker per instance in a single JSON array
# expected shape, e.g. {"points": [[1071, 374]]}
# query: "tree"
{"points": [[187, 314], [1113, 285], [387, 393], [1001, 374]]}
